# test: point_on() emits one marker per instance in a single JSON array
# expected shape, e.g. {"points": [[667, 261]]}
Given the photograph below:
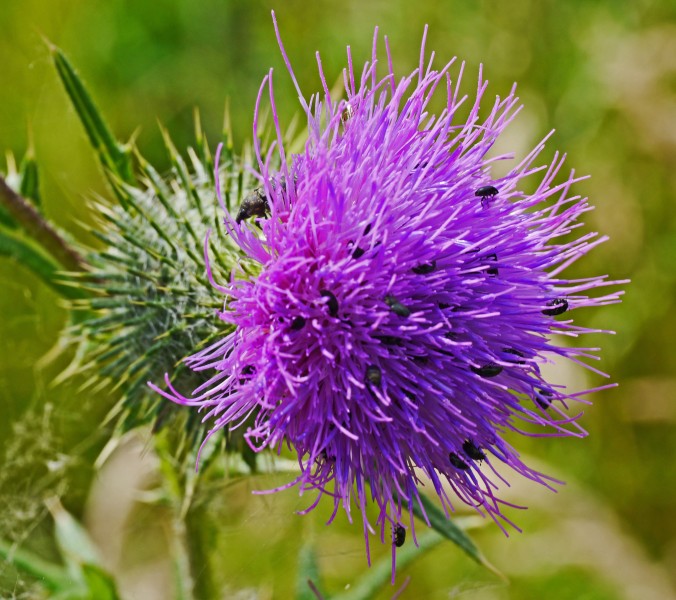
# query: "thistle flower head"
{"points": [[406, 299]]}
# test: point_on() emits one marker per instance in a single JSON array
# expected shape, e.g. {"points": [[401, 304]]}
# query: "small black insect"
{"points": [[246, 371], [543, 398], [399, 535], [514, 352], [367, 229], [473, 451], [485, 192], [397, 307], [558, 307], [443, 305], [421, 360], [457, 462], [425, 268], [492, 271], [332, 302], [389, 340], [254, 204], [297, 323], [489, 370], [358, 252], [323, 457], [374, 375]]}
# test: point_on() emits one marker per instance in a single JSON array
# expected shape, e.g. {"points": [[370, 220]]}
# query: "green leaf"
{"points": [[308, 573], [100, 584], [380, 573], [72, 539], [51, 576], [33, 259], [113, 155], [450, 530]]}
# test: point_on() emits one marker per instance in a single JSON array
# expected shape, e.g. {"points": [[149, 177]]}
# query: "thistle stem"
{"points": [[190, 530], [35, 225]]}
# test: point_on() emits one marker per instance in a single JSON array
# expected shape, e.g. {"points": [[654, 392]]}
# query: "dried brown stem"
{"points": [[36, 226]]}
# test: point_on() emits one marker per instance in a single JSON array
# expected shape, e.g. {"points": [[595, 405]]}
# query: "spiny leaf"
{"points": [[33, 259], [113, 155], [427, 510]]}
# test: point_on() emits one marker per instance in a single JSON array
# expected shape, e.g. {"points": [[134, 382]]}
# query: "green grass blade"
{"points": [[51, 576]]}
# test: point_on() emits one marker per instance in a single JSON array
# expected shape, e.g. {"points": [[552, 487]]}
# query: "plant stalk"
{"points": [[36, 226]]}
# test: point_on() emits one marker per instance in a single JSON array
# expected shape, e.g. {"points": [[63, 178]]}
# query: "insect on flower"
{"points": [[486, 192], [412, 334], [254, 204], [399, 535]]}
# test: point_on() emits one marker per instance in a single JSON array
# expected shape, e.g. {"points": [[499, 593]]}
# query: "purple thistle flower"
{"points": [[405, 301]]}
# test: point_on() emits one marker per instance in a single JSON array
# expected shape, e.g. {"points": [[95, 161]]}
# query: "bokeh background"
{"points": [[602, 73]]}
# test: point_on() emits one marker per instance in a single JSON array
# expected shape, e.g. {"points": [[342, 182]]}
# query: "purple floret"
{"points": [[405, 302]]}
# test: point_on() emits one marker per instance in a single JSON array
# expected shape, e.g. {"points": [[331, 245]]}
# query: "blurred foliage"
{"points": [[603, 73]]}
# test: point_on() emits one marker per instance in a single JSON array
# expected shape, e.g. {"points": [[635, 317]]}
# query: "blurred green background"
{"points": [[602, 73]]}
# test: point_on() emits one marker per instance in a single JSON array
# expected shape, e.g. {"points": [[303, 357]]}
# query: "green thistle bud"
{"points": [[148, 298]]}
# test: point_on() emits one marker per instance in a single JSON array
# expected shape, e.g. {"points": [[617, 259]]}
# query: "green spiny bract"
{"points": [[150, 297]]}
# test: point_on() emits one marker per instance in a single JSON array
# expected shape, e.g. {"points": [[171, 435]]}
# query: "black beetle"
{"points": [[254, 204], [489, 370], [332, 302], [485, 192], [473, 451], [457, 462], [558, 307], [399, 535]]}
